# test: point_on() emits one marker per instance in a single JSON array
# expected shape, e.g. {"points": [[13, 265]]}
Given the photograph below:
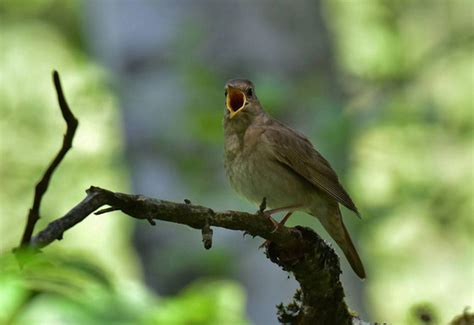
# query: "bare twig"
{"points": [[42, 185]]}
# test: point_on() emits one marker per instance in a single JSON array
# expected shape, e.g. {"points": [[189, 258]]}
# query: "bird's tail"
{"points": [[336, 229]]}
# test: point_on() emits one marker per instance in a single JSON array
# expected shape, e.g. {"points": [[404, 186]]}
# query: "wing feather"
{"points": [[296, 152]]}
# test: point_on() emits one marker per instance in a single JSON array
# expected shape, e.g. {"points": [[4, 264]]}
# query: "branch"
{"points": [[42, 185], [297, 250]]}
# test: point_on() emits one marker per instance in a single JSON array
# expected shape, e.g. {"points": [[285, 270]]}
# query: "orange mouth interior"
{"points": [[235, 101]]}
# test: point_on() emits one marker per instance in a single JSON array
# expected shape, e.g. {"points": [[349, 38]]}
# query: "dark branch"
{"points": [[42, 185], [297, 250]]}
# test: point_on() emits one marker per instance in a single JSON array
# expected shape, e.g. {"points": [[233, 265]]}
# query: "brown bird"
{"points": [[266, 159]]}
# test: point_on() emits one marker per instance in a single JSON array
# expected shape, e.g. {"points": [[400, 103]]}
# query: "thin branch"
{"points": [[297, 250], [42, 185]]}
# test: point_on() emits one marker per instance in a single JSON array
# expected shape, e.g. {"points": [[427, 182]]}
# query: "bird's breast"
{"points": [[255, 174]]}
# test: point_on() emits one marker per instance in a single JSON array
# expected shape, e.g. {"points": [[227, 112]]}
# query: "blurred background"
{"points": [[383, 88]]}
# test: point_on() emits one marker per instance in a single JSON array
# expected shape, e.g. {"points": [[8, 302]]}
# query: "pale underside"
{"points": [[255, 174]]}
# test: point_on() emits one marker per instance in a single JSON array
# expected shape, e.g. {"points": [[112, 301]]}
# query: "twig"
{"points": [[42, 185]]}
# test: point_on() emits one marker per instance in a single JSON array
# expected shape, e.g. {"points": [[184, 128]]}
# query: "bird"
{"points": [[265, 159]]}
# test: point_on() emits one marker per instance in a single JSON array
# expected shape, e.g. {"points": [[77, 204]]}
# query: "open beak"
{"points": [[235, 101]]}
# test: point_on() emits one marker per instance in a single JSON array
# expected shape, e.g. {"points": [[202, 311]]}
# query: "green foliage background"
{"points": [[413, 149], [408, 71]]}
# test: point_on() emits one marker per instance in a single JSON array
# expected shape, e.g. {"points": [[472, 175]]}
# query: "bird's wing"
{"points": [[296, 152]]}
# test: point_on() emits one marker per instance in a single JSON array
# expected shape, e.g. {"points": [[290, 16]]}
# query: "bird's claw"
{"points": [[274, 222], [275, 229]]}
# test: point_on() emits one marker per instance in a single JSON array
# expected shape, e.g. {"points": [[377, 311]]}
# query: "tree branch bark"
{"points": [[297, 250], [42, 185]]}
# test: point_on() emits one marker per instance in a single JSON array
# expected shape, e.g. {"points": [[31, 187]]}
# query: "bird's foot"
{"points": [[268, 215], [283, 221], [278, 225]]}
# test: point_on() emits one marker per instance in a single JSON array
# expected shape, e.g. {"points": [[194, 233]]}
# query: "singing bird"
{"points": [[263, 158]]}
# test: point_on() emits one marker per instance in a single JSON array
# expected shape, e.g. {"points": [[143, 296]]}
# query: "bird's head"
{"points": [[240, 99]]}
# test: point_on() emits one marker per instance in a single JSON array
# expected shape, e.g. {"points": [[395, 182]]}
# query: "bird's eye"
{"points": [[225, 93], [250, 92]]}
